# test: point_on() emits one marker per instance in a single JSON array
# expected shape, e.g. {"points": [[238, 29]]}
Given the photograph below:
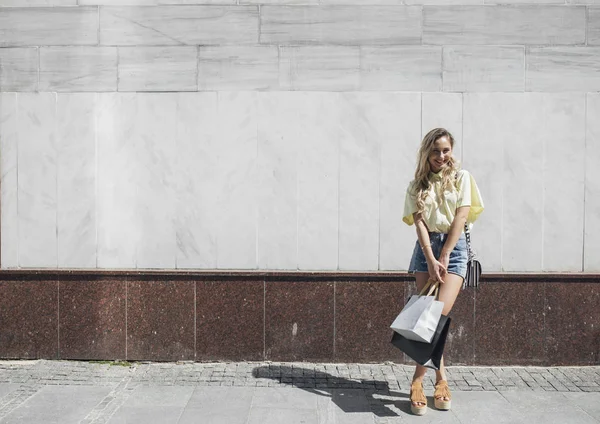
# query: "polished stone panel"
{"points": [[238, 68], [37, 3], [299, 321], [591, 241], [117, 224], [48, 26], [158, 68], [195, 189], [319, 68], [37, 184], [278, 148], [460, 344], [154, 121], [506, 25], [152, 2], [563, 130], [29, 317], [318, 179], [572, 319], [76, 180], [230, 320], [9, 245], [78, 68], [236, 178], [19, 69], [489, 68], [160, 320], [348, 25], [397, 120], [358, 191], [178, 25], [563, 69], [402, 68], [444, 110], [510, 325], [593, 26], [483, 141], [92, 318], [363, 313]]}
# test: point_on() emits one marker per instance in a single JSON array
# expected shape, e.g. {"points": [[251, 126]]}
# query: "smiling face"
{"points": [[440, 153]]}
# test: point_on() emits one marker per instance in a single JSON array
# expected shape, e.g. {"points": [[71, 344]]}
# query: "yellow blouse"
{"points": [[440, 209]]}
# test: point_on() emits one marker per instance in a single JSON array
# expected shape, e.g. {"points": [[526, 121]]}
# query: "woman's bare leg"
{"points": [[420, 371]]}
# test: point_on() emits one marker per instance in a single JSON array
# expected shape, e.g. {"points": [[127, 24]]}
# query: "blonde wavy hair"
{"points": [[421, 183]]}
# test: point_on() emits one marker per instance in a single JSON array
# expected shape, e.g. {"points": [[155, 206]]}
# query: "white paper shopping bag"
{"points": [[419, 319]]}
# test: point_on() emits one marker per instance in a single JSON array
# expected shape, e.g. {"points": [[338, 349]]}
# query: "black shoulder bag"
{"points": [[473, 265]]}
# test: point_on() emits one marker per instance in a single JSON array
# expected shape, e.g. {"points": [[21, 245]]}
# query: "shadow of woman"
{"points": [[351, 395]]}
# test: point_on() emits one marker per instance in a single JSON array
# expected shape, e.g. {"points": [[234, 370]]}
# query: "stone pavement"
{"points": [[263, 392]]}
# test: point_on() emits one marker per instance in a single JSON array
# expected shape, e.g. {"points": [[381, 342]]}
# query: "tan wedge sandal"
{"points": [[417, 395], [442, 391]]}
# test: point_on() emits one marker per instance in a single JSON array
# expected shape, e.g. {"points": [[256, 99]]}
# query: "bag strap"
{"points": [[468, 237], [433, 287]]}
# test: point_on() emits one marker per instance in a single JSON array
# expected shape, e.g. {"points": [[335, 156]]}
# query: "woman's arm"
{"points": [[436, 269], [458, 223]]}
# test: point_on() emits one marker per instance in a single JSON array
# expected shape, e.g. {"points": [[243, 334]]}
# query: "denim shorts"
{"points": [[458, 256]]}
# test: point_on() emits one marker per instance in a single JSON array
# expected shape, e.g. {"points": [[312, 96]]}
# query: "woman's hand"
{"points": [[436, 271], [445, 261]]}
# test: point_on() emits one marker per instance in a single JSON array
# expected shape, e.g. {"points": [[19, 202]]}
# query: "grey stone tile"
{"points": [[178, 25], [563, 69], [350, 25], [78, 68], [48, 26], [504, 25], [7, 388], [593, 26], [18, 69], [158, 68], [238, 68], [489, 68], [153, 2], [547, 407], [294, 398], [589, 402], [275, 415], [58, 404], [542, 2], [160, 404], [319, 68], [214, 405], [37, 3], [467, 406], [408, 68]]}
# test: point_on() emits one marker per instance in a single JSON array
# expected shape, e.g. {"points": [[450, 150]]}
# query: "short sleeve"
{"points": [[410, 206], [469, 195]]}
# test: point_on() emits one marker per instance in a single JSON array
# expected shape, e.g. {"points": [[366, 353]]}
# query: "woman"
{"points": [[439, 201]]}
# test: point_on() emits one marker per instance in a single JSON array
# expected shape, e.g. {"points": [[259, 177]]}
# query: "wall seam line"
{"points": [[585, 140]]}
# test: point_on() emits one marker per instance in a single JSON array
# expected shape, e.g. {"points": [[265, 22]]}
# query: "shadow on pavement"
{"points": [[375, 397]]}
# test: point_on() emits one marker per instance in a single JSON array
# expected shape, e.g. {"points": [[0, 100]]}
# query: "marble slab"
{"points": [[154, 122], [593, 26], [396, 117], [563, 130], [349, 25], [117, 225], [489, 68], [37, 3], [319, 68], [9, 223], [37, 180], [178, 25], [563, 69], [444, 110], [152, 2], [76, 180], [238, 68], [318, 179], [158, 68], [195, 188], [19, 69], [48, 26], [402, 68], [78, 68], [591, 242], [504, 25], [278, 149], [359, 162], [236, 178]]}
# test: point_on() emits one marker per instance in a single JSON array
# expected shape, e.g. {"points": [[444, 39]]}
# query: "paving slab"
{"points": [[218, 405]]}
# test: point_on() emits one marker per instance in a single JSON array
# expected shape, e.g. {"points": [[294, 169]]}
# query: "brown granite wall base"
{"points": [[537, 319]]}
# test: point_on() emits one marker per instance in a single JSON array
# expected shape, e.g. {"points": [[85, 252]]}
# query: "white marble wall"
{"points": [[281, 134]]}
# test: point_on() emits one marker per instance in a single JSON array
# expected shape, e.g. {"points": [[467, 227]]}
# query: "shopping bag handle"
{"points": [[433, 287]]}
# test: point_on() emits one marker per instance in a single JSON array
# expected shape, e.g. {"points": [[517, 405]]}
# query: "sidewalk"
{"points": [[263, 393]]}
